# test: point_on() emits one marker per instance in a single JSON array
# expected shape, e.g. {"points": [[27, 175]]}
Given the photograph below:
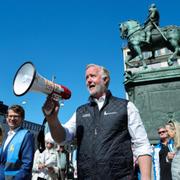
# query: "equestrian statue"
{"points": [[150, 37]]}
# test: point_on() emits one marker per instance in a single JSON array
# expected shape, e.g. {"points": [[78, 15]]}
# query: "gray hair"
{"points": [[104, 71], [161, 127]]}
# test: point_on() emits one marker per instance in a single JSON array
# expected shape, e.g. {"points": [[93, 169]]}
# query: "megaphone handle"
{"points": [[50, 108], [56, 97]]}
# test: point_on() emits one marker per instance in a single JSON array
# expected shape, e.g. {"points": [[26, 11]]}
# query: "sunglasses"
{"points": [[162, 132]]}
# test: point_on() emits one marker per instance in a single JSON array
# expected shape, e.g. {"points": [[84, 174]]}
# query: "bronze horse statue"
{"points": [[160, 38]]}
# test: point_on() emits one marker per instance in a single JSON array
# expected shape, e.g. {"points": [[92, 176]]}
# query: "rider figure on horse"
{"points": [[151, 22]]}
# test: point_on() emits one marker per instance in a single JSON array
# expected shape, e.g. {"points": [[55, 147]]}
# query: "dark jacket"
{"points": [[104, 143]]}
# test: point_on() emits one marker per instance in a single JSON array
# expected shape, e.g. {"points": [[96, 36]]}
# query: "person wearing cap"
{"points": [[46, 165]]}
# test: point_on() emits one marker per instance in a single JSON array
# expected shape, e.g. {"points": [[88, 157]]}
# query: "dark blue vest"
{"points": [[104, 144]]}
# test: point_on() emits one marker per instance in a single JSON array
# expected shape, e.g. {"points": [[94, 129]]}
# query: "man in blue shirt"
{"points": [[17, 152]]}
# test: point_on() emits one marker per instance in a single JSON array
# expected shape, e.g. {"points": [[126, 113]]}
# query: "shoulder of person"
{"points": [[83, 106], [157, 146], [29, 135]]}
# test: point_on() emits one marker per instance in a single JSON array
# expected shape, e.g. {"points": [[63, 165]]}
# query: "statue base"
{"points": [[155, 91]]}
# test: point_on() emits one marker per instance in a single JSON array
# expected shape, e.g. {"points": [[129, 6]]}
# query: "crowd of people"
{"points": [[111, 140]]}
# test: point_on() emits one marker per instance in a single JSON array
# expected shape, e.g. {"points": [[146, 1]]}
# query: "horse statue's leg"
{"points": [[152, 56], [174, 54], [131, 55], [140, 55], [128, 59]]}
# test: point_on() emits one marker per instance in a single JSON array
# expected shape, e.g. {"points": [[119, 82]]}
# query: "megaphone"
{"points": [[27, 79]]}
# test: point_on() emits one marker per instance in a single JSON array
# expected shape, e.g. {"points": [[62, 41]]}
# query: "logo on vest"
{"points": [[11, 149], [109, 113], [86, 115]]}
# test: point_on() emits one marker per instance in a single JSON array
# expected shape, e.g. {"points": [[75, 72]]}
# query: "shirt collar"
{"points": [[101, 99], [106, 97], [13, 131]]}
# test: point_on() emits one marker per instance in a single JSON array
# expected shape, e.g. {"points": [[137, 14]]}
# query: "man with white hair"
{"points": [[105, 128]]}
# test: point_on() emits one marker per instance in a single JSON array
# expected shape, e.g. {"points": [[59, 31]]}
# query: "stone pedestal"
{"points": [[156, 93]]}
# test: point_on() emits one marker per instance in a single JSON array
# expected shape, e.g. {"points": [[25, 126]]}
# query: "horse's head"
{"points": [[128, 27], [123, 30]]}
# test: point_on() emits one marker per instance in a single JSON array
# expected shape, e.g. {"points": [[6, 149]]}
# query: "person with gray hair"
{"points": [[104, 128]]}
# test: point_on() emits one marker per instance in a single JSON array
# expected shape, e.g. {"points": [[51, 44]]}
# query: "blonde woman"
{"points": [[173, 129]]}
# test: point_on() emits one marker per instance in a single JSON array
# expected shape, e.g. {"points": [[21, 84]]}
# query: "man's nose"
{"points": [[88, 80]]}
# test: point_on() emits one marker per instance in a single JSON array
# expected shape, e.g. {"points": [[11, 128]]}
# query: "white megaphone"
{"points": [[27, 79]]}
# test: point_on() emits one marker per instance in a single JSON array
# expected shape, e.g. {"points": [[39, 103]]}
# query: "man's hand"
{"points": [[50, 108]]}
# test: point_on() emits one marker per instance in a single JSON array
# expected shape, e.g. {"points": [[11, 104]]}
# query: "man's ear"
{"points": [[105, 79]]}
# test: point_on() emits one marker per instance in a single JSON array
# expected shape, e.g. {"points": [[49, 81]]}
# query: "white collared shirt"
{"points": [[139, 139], [100, 101], [11, 134]]}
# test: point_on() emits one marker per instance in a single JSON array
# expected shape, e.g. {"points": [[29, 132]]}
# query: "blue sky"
{"points": [[61, 38]]}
